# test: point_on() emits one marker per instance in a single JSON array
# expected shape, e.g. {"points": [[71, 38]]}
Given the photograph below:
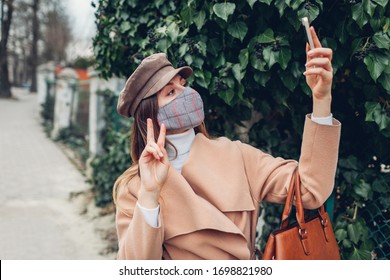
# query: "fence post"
{"points": [[45, 72], [63, 101], [96, 113]]}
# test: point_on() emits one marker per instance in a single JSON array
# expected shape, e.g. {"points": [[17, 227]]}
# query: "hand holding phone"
{"points": [[305, 23]]}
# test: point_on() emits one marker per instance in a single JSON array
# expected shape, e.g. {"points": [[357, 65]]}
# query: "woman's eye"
{"points": [[170, 92]]}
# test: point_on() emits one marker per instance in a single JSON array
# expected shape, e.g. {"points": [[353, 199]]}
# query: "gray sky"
{"points": [[82, 22]]}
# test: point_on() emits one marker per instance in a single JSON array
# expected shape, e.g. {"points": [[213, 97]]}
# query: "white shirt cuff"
{"points": [[150, 215], [323, 120]]}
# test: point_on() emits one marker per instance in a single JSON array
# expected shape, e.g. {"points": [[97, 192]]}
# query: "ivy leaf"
{"points": [[262, 78], [353, 232], [375, 113], [269, 56], [284, 57], [296, 3], [384, 80], [381, 40], [363, 189], [224, 10], [268, 2], [281, 5], [359, 15], [237, 73], [369, 7], [383, 3], [187, 15], [199, 19], [238, 30], [374, 65], [266, 37], [340, 234], [214, 46], [227, 95], [243, 58], [360, 255], [257, 63], [125, 26], [312, 13], [251, 3]]}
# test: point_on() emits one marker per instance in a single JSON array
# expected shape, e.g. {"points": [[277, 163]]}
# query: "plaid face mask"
{"points": [[183, 112]]}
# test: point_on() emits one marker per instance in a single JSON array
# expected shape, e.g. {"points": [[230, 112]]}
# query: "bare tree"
{"points": [[7, 8], [34, 46]]}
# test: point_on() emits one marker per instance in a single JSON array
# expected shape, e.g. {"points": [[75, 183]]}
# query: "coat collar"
{"points": [[196, 199]]}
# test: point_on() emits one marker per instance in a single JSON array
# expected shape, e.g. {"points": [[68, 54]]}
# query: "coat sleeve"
{"points": [[137, 240], [269, 177]]}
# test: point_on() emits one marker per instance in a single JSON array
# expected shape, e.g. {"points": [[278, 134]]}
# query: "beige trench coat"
{"points": [[210, 210]]}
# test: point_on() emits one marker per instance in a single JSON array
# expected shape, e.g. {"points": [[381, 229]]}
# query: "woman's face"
{"points": [[171, 90]]}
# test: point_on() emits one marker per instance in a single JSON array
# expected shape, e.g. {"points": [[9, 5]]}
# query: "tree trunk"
{"points": [[34, 47], [5, 86]]}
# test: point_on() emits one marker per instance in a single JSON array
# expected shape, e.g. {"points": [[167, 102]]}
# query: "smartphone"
{"points": [[305, 23]]}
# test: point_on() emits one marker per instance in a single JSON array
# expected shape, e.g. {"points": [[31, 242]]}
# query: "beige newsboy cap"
{"points": [[151, 76]]}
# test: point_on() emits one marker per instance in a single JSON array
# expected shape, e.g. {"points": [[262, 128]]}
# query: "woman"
{"points": [[189, 197]]}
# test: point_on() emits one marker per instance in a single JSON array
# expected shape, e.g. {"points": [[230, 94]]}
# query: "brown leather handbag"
{"points": [[307, 239]]}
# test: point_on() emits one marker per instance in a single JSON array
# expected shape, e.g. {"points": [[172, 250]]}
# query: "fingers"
{"points": [[316, 41], [323, 62], [161, 137], [149, 131], [324, 74]]}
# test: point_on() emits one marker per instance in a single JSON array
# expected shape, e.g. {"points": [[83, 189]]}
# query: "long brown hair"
{"points": [[148, 108]]}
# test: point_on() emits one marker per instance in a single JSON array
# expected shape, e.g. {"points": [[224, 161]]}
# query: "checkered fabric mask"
{"points": [[183, 112]]}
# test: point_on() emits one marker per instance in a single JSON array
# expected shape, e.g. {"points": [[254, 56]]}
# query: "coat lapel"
{"points": [[196, 199]]}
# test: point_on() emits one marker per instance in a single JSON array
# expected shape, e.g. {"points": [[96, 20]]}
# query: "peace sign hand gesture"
{"points": [[154, 166]]}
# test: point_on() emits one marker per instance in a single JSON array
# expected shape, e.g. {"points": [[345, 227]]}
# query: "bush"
{"points": [[248, 58]]}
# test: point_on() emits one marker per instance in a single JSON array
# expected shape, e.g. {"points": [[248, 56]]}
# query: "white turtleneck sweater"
{"points": [[183, 142]]}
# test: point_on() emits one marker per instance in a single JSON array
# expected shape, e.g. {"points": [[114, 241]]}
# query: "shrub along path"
{"points": [[37, 218]]}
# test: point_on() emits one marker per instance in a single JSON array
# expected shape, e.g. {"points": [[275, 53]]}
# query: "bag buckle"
{"points": [[302, 233]]}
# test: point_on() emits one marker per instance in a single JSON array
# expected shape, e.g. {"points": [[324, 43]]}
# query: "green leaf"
{"points": [[224, 10], [281, 5], [360, 255], [269, 56], [296, 3], [257, 63], [238, 30], [341, 32], [312, 13], [381, 40], [340, 234], [359, 15], [243, 58], [237, 73], [173, 31], [187, 15], [384, 80], [200, 19], [383, 3], [266, 37], [268, 2], [214, 46], [363, 189], [251, 3], [374, 66], [284, 57], [125, 26], [262, 78], [369, 7], [353, 232], [227, 95]]}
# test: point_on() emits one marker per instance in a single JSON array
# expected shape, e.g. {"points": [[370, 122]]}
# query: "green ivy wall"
{"points": [[248, 58]]}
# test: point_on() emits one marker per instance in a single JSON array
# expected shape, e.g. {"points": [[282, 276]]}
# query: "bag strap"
{"points": [[295, 191]]}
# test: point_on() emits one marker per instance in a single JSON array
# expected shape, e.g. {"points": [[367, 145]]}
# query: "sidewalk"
{"points": [[37, 218]]}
